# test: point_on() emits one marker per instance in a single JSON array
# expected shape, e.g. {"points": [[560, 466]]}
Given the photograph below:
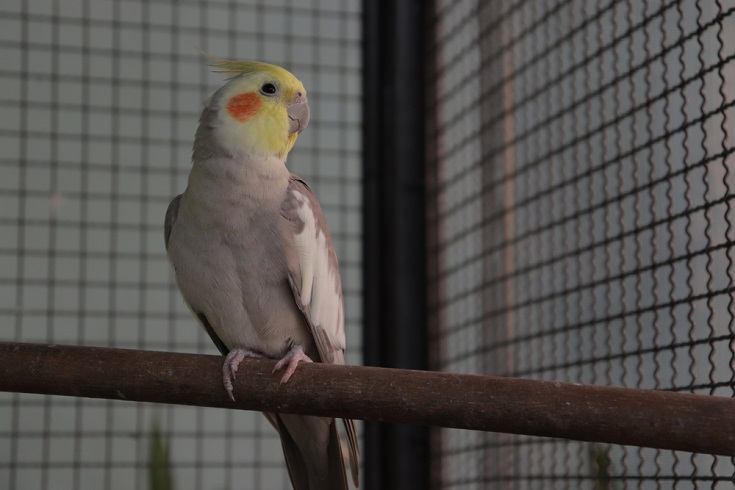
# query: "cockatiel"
{"points": [[253, 256]]}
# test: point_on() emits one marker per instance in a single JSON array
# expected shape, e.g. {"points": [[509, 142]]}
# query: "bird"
{"points": [[254, 259]]}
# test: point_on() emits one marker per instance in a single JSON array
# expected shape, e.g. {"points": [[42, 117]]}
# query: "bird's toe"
{"points": [[290, 362], [232, 364]]}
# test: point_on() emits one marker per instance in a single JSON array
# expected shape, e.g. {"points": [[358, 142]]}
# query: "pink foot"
{"points": [[290, 361], [231, 365]]}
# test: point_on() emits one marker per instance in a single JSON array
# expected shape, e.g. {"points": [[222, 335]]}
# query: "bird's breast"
{"points": [[237, 277]]}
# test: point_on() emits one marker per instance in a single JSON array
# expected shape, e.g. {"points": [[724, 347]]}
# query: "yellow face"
{"points": [[262, 111]]}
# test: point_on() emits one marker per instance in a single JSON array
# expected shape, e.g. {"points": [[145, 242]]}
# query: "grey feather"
{"points": [[330, 351], [294, 460], [337, 473], [326, 345], [212, 334], [312, 448], [354, 448], [171, 213]]}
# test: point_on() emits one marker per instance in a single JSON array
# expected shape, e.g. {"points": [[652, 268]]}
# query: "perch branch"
{"points": [[521, 406]]}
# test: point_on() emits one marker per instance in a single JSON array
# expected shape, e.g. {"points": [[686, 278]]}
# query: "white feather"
{"points": [[320, 294], [305, 245], [331, 313], [319, 280]]}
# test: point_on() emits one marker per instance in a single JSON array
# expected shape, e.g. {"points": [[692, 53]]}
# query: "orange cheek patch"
{"points": [[243, 106]]}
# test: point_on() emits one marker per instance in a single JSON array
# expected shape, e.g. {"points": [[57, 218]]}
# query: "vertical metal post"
{"points": [[395, 40]]}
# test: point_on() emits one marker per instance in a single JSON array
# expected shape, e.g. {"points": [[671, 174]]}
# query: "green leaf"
{"points": [[159, 464]]}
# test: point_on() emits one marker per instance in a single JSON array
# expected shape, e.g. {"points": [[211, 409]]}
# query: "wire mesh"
{"points": [[100, 100], [583, 220]]}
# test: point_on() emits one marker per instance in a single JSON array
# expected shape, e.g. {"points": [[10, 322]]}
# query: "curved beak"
{"points": [[298, 114]]}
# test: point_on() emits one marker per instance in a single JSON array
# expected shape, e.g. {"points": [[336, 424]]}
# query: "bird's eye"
{"points": [[268, 89]]}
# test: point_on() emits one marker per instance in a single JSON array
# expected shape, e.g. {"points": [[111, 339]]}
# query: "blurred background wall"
{"points": [[100, 101], [583, 187]]}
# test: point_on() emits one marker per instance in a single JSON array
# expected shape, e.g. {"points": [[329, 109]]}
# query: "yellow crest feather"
{"points": [[236, 68]]}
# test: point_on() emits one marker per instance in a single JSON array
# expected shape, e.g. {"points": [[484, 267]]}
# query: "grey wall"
{"points": [[586, 219], [100, 101]]}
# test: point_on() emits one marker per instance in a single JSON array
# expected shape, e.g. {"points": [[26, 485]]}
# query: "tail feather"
{"points": [[354, 451], [294, 462], [337, 472], [313, 452]]}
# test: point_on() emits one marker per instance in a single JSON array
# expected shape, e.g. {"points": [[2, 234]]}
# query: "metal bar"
{"points": [[647, 418], [394, 45]]}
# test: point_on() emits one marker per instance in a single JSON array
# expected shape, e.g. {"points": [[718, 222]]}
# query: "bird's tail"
{"points": [[313, 452]]}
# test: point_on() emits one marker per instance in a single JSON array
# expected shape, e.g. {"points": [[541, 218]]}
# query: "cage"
{"points": [[525, 189], [100, 103]]}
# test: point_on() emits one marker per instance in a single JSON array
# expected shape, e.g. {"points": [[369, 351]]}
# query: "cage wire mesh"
{"points": [[100, 100], [582, 220]]}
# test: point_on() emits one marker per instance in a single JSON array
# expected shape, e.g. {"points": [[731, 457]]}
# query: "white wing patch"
{"points": [[320, 295]]}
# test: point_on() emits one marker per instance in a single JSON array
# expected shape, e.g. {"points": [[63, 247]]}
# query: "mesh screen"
{"points": [[583, 220], [100, 100]]}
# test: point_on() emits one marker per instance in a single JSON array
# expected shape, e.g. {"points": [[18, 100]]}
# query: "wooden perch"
{"points": [[521, 406]]}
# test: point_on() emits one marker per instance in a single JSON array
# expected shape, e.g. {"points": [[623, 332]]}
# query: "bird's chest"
{"points": [[238, 278], [256, 251], [241, 258]]}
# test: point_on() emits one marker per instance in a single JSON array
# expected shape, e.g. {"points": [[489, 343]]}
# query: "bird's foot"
{"points": [[232, 364], [290, 361]]}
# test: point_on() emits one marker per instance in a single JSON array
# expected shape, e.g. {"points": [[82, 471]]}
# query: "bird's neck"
{"points": [[232, 189]]}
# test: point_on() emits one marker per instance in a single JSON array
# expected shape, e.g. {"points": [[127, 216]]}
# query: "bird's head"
{"points": [[259, 112]]}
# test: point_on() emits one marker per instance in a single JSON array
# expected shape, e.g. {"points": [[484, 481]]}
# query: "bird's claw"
{"points": [[291, 361], [232, 364]]}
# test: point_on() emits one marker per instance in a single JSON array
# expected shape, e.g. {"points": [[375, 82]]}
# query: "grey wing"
{"points": [[316, 284], [171, 213], [314, 271]]}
